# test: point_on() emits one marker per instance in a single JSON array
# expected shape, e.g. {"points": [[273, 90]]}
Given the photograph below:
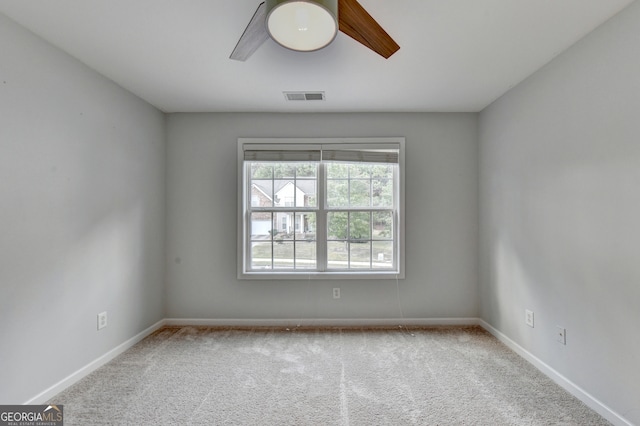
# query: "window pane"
{"points": [[274, 225], [360, 195], [382, 193], [261, 193], [262, 171], [382, 225], [261, 226], [306, 254], [337, 225], [337, 255], [382, 254], [284, 192], [284, 170], [306, 170], [286, 226], [283, 255], [311, 201], [360, 255], [261, 255], [381, 171], [308, 223], [337, 170], [337, 193], [307, 190], [360, 171], [359, 226]]}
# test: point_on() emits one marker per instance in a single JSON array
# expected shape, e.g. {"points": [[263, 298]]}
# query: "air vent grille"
{"points": [[304, 96]]}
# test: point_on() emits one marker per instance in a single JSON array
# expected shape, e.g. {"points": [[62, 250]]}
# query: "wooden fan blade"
{"points": [[356, 22], [253, 36]]}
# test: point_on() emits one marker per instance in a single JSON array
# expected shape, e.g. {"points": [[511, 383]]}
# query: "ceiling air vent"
{"points": [[304, 96]]}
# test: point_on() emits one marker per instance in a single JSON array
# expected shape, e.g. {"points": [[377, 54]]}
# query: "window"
{"points": [[321, 208]]}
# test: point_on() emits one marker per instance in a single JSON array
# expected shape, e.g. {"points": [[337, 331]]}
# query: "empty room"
{"points": [[320, 212]]}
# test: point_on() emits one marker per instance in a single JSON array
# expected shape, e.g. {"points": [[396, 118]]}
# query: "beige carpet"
{"points": [[338, 376]]}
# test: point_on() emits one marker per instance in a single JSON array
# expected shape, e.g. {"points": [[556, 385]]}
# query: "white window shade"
{"points": [[361, 156], [353, 153], [280, 156]]}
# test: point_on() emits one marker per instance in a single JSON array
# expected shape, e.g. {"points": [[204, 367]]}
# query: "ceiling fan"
{"points": [[308, 25]]}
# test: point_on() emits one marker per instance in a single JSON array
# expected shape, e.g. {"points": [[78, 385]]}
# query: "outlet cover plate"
{"points": [[102, 320], [561, 334], [336, 293], [528, 317]]}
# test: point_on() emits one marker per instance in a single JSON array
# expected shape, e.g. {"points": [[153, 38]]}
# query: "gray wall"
{"points": [[560, 205], [82, 215], [441, 220]]}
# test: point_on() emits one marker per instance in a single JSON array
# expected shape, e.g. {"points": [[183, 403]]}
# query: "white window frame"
{"points": [[244, 197]]}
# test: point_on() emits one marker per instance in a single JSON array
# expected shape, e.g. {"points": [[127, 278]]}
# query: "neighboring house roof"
{"points": [[308, 187]]}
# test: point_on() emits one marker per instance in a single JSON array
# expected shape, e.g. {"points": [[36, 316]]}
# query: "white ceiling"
{"points": [[455, 55]]}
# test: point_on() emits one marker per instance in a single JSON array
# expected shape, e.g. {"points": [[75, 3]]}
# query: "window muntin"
{"points": [[320, 209]]}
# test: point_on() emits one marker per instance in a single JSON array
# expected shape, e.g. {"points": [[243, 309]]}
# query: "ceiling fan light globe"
{"points": [[303, 26]]}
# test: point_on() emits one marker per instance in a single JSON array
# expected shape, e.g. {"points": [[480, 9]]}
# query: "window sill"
{"points": [[314, 275]]}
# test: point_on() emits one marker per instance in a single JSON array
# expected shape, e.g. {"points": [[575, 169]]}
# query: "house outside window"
{"points": [[321, 208]]}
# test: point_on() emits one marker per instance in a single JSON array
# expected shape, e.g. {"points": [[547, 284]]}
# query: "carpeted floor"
{"points": [[332, 376]]}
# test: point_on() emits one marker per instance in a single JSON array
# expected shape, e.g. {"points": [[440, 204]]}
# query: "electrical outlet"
{"points": [[336, 293], [528, 317], [561, 335], [102, 320]]}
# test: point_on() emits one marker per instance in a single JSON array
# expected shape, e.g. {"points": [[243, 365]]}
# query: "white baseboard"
{"points": [[320, 322], [558, 378], [92, 366]]}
